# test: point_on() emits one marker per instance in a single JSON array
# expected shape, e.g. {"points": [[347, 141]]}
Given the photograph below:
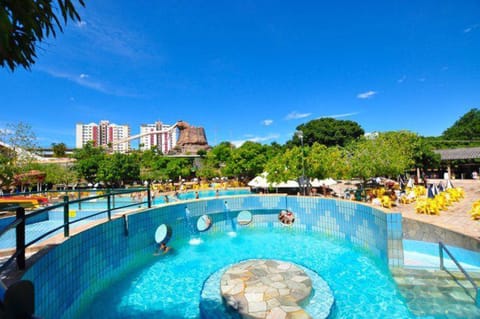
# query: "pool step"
{"points": [[437, 293]]}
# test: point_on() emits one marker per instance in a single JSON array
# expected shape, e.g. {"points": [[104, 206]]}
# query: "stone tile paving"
{"points": [[266, 289], [435, 293]]}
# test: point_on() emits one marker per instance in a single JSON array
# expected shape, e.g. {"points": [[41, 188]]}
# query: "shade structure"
{"points": [[260, 181], [323, 182]]}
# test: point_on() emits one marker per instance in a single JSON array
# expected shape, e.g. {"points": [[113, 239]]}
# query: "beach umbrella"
{"points": [[323, 182], [430, 193], [410, 183], [441, 188], [287, 184], [449, 184], [259, 181]]}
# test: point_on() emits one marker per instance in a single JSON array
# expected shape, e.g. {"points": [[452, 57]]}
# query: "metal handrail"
{"points": [[442, 247], [18, 221]]}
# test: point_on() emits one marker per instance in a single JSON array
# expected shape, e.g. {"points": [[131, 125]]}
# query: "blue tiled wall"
{"points": [[103, 253]]}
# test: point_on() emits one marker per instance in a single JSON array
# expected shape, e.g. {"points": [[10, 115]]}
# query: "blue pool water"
{"points": [[212, 193], [426, 255], [169, 286], [54, 219]]}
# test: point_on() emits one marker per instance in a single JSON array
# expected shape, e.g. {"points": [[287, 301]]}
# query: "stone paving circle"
{"points": [[264, 288]]}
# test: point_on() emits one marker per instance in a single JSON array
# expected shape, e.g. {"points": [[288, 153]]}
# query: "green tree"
{"points": [[389, 154], [118, 169], [273, 149], [215, 161], [423, 154], [323, 162], [58, 174], [286, 166], [59, 150], [179, 168], [26, 23], [247, 161], [148, 161], [329, 132], [88, 160], [467, 128], [7, 168], [18, 153]]}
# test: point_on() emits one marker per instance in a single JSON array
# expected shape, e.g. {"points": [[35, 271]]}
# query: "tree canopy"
{"points": [[247, 161], [18, 157], [59, 149], [388, 154], [466, 128], [25, 23], [88, 161], [329, 132]]}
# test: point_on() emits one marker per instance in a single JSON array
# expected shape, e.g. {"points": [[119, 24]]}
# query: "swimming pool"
{"points": [[169, 286], [53, 219], [420, 254], [347, 243], [212, 193]]}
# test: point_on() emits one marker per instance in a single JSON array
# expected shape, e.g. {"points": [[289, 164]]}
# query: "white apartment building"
{"points": [[162, 136], [104, 134]]}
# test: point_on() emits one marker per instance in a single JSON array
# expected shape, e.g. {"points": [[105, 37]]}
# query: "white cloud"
{"points": [[339, 115], [471, 28], [258, 139], [107, 35], [84, 80], [295, 115], [267, 122], [366, 95], [81, 24]]}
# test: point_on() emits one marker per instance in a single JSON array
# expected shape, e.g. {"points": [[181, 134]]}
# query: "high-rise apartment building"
{"points": [[162, 136], [105, 134]]}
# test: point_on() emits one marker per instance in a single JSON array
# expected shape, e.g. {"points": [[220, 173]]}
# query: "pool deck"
{"points": [[457, 217]]}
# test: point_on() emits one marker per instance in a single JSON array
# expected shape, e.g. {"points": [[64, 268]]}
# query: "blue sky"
{"points": [[252, 70]]}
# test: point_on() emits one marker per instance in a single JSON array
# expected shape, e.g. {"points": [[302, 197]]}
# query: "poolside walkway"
{"points": [[457, 217]]}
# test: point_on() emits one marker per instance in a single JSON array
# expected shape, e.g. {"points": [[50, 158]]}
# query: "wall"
{"points": [[102, 254], [418, 230]]}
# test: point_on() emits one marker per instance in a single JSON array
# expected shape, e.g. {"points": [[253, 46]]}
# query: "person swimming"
{"points": [[162, 248]]}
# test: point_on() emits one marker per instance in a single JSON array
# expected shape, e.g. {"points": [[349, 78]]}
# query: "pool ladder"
{"points": [[442, 248]]}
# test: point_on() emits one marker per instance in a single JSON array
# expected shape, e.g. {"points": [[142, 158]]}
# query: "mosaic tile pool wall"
{"points": [[102, 254]]}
